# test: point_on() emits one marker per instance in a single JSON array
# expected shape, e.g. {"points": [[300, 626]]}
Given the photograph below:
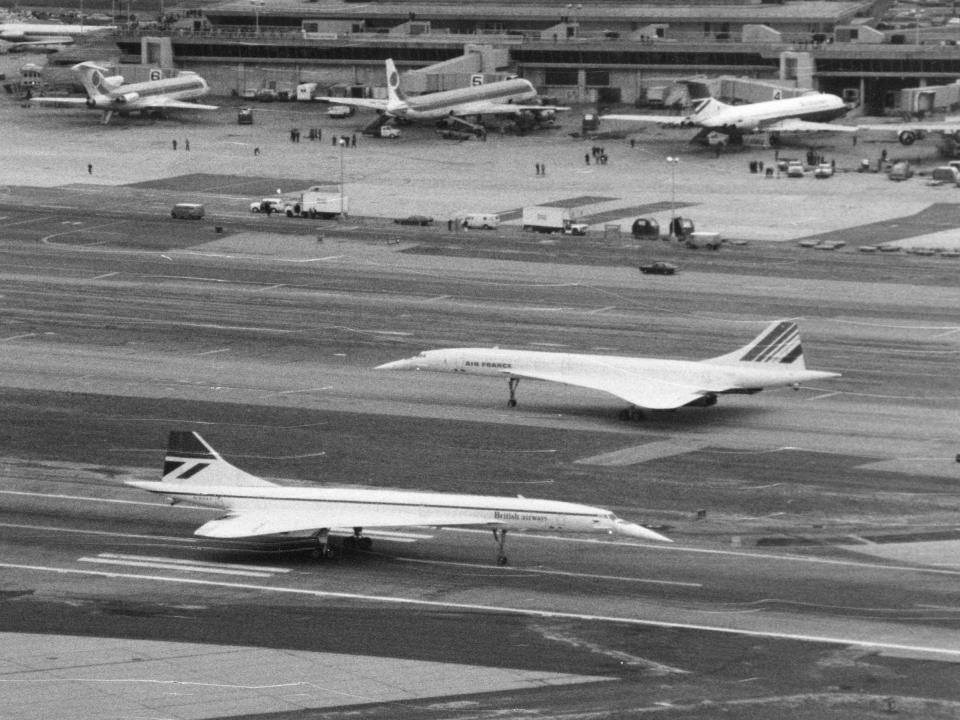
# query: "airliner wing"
{"points": [[254, 523], [488, 108], [670, 120], [652, 393], [948, 127], [60, 101], [162, 103], [369, 103], [795, 125]]}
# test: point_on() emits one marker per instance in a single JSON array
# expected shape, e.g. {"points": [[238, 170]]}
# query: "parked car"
{"points": [[340, 111], [823, 170], [795, 169], [274, 203], [389, 131], [187, 211], [415, 220], [658, 267], [900, 170]]}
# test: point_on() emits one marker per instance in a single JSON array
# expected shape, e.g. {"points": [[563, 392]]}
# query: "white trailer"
{"points": [[306, 91], [548, 219], [317, 204]]}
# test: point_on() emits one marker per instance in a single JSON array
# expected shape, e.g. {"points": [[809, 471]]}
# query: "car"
{"points": [[244, 116], [340, 111], [187, 211], [823, 170], [795, 169], [389, 131], [658, 268], [415, 220], [274, 203]]}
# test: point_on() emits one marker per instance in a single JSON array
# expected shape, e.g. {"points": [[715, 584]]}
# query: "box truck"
{"points": [[548, 219]]}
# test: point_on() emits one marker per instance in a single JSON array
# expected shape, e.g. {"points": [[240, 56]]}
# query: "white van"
{"points": [[482, 221], [187, 211]]}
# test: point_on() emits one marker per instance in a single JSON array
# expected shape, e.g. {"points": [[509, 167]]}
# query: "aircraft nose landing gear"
{"points": [[512, 386], [500, 535]]}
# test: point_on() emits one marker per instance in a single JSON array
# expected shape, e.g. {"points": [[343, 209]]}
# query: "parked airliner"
{"points": [[18, 37], [807, 113], [194, 472], [773, 359], [110, 94], [504, 97]]}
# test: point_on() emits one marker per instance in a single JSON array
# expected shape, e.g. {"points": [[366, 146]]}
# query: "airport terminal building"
{"points": [[605, 53]]}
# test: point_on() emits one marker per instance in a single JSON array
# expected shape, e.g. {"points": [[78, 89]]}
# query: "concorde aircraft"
{"points": [[807, 113], [504, 97], [111, 94], [773, 359], [193, 472]]}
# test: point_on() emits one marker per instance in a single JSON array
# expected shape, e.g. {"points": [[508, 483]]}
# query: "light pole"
{"points": [[673, 192], [342, 143]]}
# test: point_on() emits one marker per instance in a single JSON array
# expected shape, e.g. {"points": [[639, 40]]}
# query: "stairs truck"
{"points": [[548, 219], [314, 204]]}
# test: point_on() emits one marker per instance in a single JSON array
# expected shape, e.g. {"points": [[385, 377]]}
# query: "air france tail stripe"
{"points": [[770, 342], [783, 343], [792, 355]]}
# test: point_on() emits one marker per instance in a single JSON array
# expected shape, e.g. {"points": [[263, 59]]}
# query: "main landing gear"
{"points": [[357, 541], [500, 535], [632, 413], [512, 385]]}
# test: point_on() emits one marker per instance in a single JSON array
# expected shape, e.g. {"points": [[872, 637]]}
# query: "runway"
{"points": [[814, 530]]}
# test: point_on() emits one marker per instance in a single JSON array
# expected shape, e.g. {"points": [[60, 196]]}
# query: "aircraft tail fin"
{"points": [[191, 461], [395, 95], [778, 343], [701, 99], [94, 79]]}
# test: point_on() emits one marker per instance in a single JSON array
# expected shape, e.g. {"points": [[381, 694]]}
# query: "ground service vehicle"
{"points": [[658, 268], [274, 203], [481, 221], [306, 91], [549, 219], [313, 204], [340, 111], [901, 170], [645, 228], [795, 169], [244, 116], [389, 131], [415, 220], [711, 240], [823, 170], [187, 211]]}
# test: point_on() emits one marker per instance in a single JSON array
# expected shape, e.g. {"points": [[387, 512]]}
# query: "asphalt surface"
{"points": [[813, 572]]}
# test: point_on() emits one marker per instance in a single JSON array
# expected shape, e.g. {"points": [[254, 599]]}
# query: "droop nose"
{"points": [[638, 531]]}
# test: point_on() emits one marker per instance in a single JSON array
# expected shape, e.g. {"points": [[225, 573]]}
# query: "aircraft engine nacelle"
{"points": [[112, 82], [708, 400], [128, 97], [99, 101]]}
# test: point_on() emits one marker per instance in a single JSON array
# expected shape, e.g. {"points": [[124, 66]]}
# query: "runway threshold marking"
{"points": [[951, 652]]}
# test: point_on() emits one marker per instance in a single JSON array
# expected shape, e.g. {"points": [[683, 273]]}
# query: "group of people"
{"points": [[186, 144], [598, 153]]}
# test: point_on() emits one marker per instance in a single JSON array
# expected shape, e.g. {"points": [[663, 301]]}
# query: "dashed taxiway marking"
{"points": [[197, 566], [944, 651]]}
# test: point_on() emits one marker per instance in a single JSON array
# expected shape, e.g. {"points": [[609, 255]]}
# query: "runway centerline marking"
{"points": [[505, 609]]}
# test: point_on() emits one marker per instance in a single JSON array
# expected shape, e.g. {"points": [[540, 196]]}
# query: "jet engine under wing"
{"points": [[646, 392], [276, 522], [507, 109]]}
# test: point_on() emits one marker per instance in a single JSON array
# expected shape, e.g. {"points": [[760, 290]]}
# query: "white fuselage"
{"points": [[136, 96], [463, 101], [814, 107], [426, 508], [573, 368]]}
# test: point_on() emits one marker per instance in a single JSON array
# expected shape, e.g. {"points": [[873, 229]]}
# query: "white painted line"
{"points": [[507, 610], [18, 337], [195, 563], [560, 573], [55, 496], [214, 352], [61, 530], [105, 276], [169, 566]]}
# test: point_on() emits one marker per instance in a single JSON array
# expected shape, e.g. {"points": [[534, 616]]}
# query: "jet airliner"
{"points": [[504, 97], [773, 359], [807, 113], [17, 37], [110, 94], [195, 473]]}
